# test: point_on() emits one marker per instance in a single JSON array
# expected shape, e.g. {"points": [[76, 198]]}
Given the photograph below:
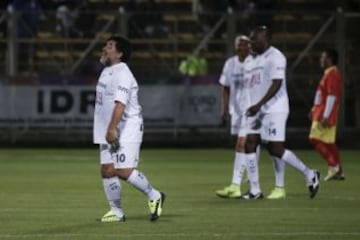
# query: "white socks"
{"points": [[239, 167], [112, 188], [252, 168], [291, 159], [140, 182], [279, 168]]}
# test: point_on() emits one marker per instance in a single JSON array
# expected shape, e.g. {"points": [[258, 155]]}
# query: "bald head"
{"points": [[260, 39]]}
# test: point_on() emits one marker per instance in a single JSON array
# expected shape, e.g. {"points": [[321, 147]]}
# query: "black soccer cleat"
{"points": [[314, 185], [250, 196]]}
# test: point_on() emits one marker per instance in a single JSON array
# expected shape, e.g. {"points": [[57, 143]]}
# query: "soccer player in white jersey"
{"points": [[234, 103], [269, 111], [118, 129]]}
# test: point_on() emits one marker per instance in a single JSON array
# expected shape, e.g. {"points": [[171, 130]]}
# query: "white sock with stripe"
{"points": [[239, 168], [252, 168], [112, 188], [138, 180]]}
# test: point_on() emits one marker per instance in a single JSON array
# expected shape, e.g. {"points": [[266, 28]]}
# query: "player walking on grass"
{"points": [[269, 113], [324, 114], [118, 129], [234, 103]]}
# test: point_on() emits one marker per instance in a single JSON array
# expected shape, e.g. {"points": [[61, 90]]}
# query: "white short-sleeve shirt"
{"points": [[268, 66], [117, 83], [233, 76]]}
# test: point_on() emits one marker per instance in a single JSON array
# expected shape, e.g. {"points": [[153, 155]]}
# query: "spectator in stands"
{"points": [[151, 23], [30, 11], [324, 115], [27, 27], [67, 15]]}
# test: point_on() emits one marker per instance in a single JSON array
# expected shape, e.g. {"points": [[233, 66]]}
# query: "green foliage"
{"points": [[57, 194]]}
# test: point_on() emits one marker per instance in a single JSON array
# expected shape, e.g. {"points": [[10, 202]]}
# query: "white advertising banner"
{"points": [[72, 106]]}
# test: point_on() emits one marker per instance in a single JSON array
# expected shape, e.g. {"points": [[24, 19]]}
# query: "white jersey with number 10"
{"points": [[117, 83]]}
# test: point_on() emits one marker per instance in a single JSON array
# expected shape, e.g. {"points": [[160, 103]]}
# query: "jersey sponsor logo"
{"points": [[252, 81], [123, 89], [237, 75]]}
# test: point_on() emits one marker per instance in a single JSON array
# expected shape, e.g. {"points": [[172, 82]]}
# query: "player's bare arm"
{"points": [[273, 89], [112, 132], [225, 93]]}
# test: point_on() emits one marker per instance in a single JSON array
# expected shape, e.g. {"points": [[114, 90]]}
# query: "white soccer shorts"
{"points": [[127, 156], [248, 126], [273, 127], [235, 124]]}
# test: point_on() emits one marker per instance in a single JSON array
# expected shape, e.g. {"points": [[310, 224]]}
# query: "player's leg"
{"points": [[328, 155], [252, 167], [126, 161], [279, 169], [278, 150], [274, 133], [323, 140], [112, 186], [233, 190], [335, 157], [323, 149]]}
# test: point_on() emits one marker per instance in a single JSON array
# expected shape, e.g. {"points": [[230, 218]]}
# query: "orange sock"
{"points": [[335, 155], [326, 151]]}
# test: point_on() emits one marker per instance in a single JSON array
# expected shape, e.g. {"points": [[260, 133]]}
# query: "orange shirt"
{"points": [[330, 84]]}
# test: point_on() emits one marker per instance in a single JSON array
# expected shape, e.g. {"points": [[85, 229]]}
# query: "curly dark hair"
{"points": [[122, 45]]}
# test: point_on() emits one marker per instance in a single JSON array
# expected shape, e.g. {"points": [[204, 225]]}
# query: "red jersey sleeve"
{"points": [[333, 83]]}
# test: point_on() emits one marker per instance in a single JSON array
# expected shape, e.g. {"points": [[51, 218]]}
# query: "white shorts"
{"points": [[235, 124], [248, 126], [238, 124], [273, 127], [126, 157]]}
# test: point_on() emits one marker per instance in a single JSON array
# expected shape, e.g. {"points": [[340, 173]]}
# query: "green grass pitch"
{"points": [[57, 194]]}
